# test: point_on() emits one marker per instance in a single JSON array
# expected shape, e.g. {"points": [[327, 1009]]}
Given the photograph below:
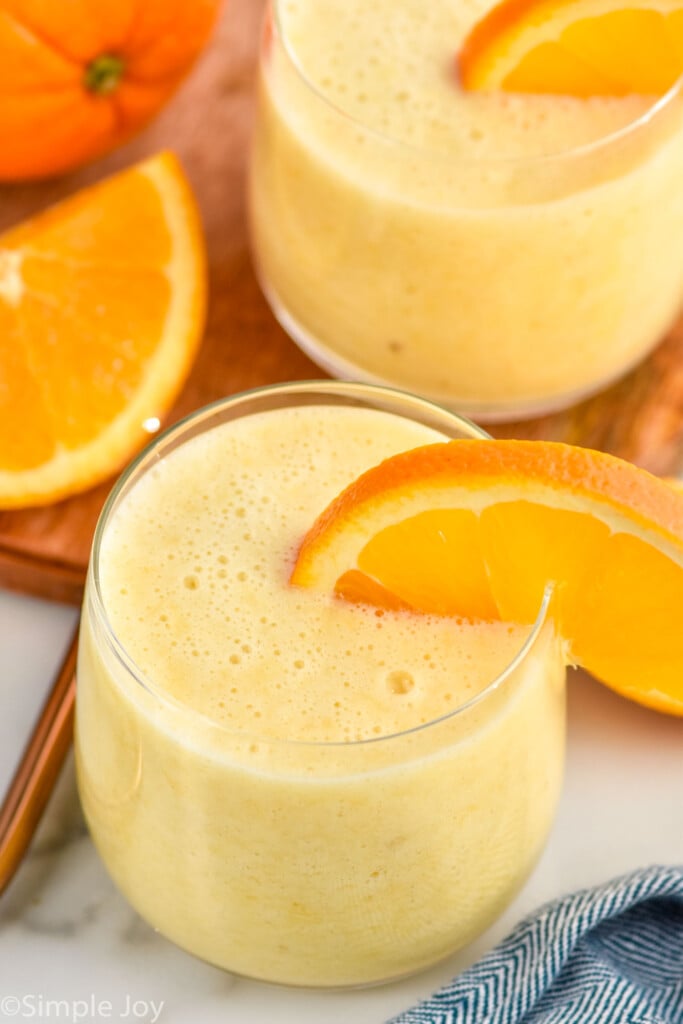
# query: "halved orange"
{"points": [[576, 47], [102, 302], [479, 528]]}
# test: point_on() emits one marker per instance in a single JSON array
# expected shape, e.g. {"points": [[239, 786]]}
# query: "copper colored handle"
{"points": [[38, 768]]}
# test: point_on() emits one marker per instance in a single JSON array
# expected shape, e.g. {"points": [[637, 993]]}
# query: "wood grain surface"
{"points": [[45, 551]]}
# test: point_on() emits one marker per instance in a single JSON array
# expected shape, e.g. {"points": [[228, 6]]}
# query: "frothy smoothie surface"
{"points": [[194, 575], [393, 68]]}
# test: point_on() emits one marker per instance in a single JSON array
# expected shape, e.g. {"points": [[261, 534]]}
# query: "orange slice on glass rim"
{"points": [[479, 528], [576, 47], [102, 303]]}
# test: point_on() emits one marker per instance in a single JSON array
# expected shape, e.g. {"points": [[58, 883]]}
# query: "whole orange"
{"points": [[80, 76]]}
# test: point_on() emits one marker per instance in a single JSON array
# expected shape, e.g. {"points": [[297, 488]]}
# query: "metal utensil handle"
{"points": [[38, 768]]}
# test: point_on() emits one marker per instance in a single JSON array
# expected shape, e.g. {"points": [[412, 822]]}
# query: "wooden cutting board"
{"points": [[45, 551]]}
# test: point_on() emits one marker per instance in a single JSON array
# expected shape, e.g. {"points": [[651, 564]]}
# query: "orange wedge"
{"points": [[102, 304], [576, 47], [479, 528]]}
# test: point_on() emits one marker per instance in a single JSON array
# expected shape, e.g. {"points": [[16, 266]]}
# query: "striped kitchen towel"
{"points": [[610, 955]]}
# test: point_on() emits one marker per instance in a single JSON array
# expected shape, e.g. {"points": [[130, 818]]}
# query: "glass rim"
{"points": [[659, 105], [140, 464]]}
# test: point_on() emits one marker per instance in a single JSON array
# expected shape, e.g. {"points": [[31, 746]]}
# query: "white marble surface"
{"points": [[66, 935]]}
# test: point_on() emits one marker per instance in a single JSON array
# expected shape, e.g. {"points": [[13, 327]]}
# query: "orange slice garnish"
{"points": [[479, 528], [576, 47], [102, 303]]}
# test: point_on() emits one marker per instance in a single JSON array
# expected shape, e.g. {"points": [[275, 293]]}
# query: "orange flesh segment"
{"points": [[358, 588], [20, 402], [109, 296], [101, 311], [607, 535], [578, 48], [433, 562]]}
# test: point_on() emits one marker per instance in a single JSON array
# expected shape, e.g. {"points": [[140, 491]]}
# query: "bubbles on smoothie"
{"points": [[217, 625], [400, 682], [399, 78]]}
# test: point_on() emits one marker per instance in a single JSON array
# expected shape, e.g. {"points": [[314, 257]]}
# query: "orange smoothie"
{"points": [[503, 254], [292, 787]]}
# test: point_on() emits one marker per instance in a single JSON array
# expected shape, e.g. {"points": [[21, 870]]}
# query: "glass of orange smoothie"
{"points": [[288, 785], [504, 254]]}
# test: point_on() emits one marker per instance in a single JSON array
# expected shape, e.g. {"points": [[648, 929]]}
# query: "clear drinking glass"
{"points": [[499, 287], [307, 863]]}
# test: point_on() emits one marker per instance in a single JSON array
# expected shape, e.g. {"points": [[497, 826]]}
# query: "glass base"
{"points": [[479, 412]]}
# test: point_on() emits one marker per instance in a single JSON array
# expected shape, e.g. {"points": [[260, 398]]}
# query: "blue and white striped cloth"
{"points": [[610, 955]]}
